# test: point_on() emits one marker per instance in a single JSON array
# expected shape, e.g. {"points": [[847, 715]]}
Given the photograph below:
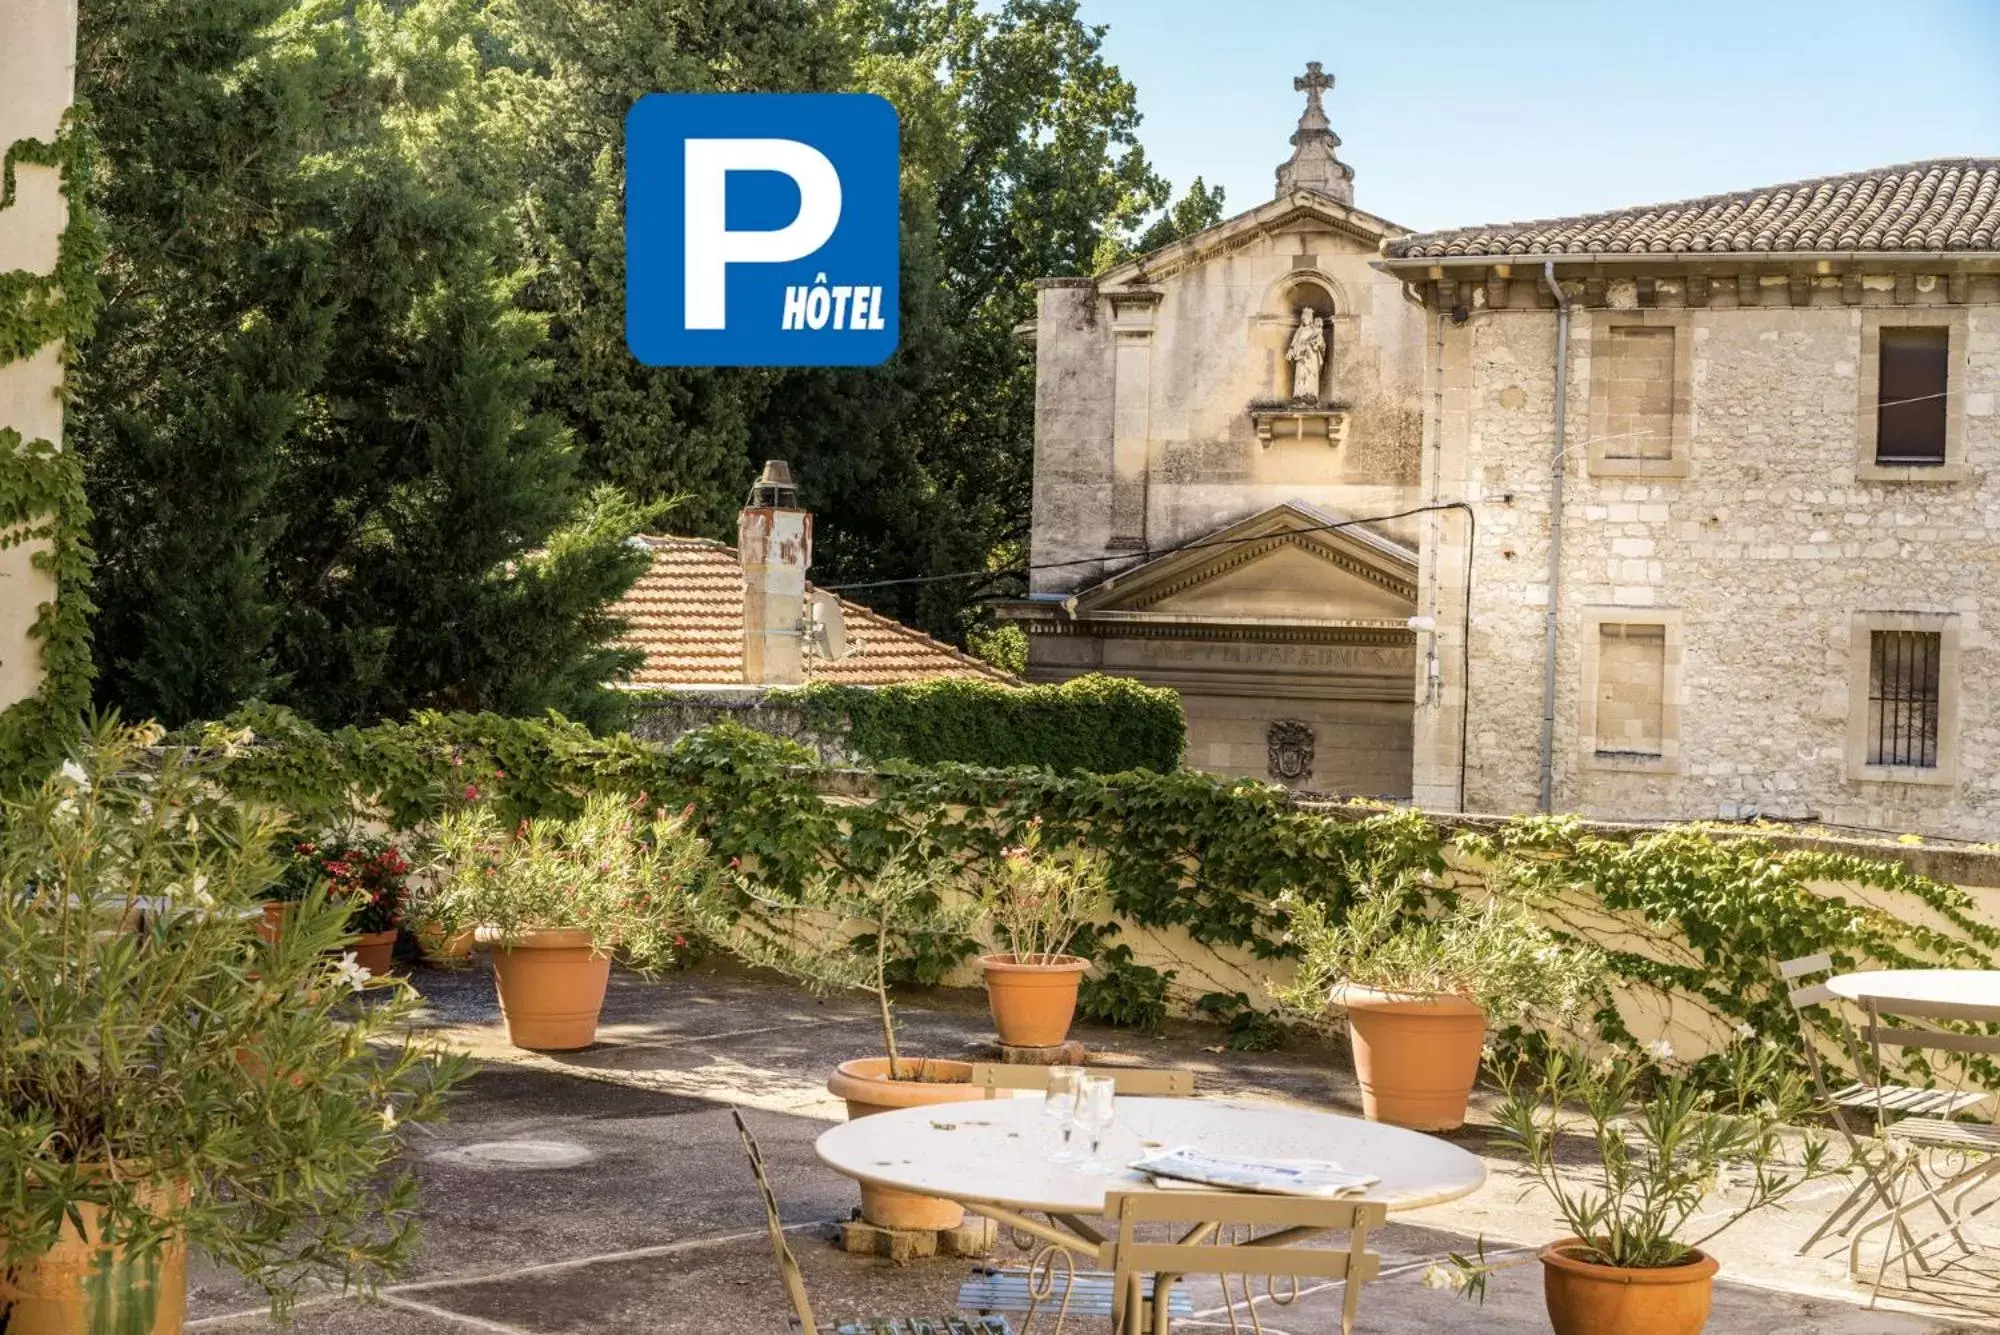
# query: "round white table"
{"points": [[996, 1152], [1932, 994]]}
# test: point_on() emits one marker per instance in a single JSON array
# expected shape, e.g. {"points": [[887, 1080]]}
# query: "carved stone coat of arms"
{"points": [[1291, 746]]}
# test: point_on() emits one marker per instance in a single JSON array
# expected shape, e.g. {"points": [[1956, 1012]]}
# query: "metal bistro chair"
{"points": [[1199, 1216], [795, 1284], [1919, 1134], [1049, 1278], [1878, 1101]]}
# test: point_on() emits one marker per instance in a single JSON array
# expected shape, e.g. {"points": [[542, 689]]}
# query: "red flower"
{"points": [[680, 941], [471, 793]]}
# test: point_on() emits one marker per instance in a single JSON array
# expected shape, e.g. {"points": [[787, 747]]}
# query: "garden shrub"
{"points": [[1096, 723]]}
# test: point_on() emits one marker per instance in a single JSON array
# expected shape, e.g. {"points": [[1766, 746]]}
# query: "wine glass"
{"points": [[1059, 1105], [1095, 1112]]}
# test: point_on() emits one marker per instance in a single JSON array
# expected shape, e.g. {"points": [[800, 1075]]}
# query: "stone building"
{"points": [[1738, 556], [1207, 417], [1735, 466]]}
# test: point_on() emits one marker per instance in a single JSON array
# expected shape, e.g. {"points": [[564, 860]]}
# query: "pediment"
{"points": [[1287, 565], [1299, 210]]}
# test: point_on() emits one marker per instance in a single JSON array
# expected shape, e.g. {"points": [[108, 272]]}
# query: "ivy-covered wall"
{"points": [[1096, 723], [42, 501], [1694, 919]]}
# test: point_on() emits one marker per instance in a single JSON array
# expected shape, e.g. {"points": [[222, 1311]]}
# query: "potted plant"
{"points": [[368, 874], [169, 1078], [556, 897], [1037, 900], [909, 894], [1421, 982], [1664, 1143]]}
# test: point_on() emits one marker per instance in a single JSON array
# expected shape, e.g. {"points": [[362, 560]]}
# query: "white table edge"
{"points": [[1403, 1201]]}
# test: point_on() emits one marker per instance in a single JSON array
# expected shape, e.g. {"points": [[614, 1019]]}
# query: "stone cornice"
{"points": [[1377, 636]]}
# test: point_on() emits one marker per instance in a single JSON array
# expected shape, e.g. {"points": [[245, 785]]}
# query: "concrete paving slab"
{"points": [[605, 1191]]}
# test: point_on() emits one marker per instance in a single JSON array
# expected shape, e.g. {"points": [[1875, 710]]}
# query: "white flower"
{"points": [[388, 1117], [351, 972], [1660, 1050], [1744, 1031], [75, 775], [198, 891], [1440, 1276]]}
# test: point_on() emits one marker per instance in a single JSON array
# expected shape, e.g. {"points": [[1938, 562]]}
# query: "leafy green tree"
{"points": [[309, 414]]}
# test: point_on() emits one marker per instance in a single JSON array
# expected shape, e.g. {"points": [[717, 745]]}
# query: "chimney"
{"points": [[774, 543]]}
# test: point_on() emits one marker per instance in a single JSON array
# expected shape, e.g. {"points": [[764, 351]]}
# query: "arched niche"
{"points": [[1295, 291]]}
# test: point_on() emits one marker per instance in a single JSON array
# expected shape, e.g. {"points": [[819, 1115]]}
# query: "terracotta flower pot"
{"points": [[52, 1293], [376, 951], [1587, 1299], [273, 921], [439, 947], [866, 1086], [1033, 1004], [551, 987], [1415, 1056]]}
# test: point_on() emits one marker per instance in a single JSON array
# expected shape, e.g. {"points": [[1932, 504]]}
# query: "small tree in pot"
{"points": [[913, 893], [1038, 899], [557, 897], [1667, 1144], [171, 1078], [368, 874], [1422, 980]]}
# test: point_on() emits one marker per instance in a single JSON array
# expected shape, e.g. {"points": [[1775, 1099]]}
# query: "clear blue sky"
{"points": [[1457, 113]]}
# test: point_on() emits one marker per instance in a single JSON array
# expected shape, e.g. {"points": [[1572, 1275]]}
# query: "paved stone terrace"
{"points": [[619, 1200]]}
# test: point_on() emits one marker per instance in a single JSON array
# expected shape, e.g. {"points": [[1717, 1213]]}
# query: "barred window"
{"points": [[1903, 703]]}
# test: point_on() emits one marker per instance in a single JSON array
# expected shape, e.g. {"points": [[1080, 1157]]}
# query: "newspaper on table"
{"points": [[1279, 1177]]}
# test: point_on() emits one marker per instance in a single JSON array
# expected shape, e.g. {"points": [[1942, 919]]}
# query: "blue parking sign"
{"points": [[761, 229]]}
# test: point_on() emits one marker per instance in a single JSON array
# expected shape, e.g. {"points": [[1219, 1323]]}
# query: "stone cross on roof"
{"points": [[1312, 83], [1314, 165]]}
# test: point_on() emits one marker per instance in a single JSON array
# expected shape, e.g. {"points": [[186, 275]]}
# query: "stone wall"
{"points": [[662, 719], [1761, 563], [1143, 437]]}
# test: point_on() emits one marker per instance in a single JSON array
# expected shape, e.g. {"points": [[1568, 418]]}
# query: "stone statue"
{"points": [[1307, 353]]}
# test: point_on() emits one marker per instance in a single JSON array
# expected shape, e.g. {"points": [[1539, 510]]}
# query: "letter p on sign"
{"points": [[761, 229]]}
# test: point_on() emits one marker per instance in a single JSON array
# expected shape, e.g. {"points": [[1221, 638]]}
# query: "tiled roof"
{"points": [[1944, 204], [686, 613]]}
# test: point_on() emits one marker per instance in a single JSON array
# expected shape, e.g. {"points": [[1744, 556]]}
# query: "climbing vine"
{"points": [[1702, 915], [42, 497]]}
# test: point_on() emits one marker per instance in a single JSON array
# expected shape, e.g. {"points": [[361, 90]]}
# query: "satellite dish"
{"points": [[829, 626]]}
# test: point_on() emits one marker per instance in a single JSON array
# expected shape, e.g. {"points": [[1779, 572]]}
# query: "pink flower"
{"points": [[471, 793]]}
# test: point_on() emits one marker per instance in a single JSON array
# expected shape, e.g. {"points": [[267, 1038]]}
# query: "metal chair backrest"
{"points": [[1805, 996], [1201, 1214], [788, 1266], [994, 1077]]}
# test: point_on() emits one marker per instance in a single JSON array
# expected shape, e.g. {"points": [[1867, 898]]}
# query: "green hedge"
{"points": [[1095, 723], [1187, 850]]}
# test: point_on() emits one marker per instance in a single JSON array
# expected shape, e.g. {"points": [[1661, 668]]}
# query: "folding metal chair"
{"points": [[1879, 1101], [795, 1284], [1130, 1081], [1919, 1134], [1048, 1278], [1199, 1218]]}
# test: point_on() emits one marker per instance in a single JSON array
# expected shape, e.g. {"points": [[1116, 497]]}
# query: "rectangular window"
{"points": [[1912, 400], [1904, 697], [1639, 393], [1631, 690]]}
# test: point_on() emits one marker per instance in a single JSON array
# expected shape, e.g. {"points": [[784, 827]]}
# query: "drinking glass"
{"points": [[1059, 1106], [1094, 1115]]}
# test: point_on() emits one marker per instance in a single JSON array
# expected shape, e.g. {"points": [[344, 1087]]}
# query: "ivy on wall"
{"points": [[1208, 856], [41, 486]]}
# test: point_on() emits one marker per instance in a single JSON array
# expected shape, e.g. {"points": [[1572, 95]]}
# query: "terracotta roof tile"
{"points": [[1940, 205], [686, 613]]}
